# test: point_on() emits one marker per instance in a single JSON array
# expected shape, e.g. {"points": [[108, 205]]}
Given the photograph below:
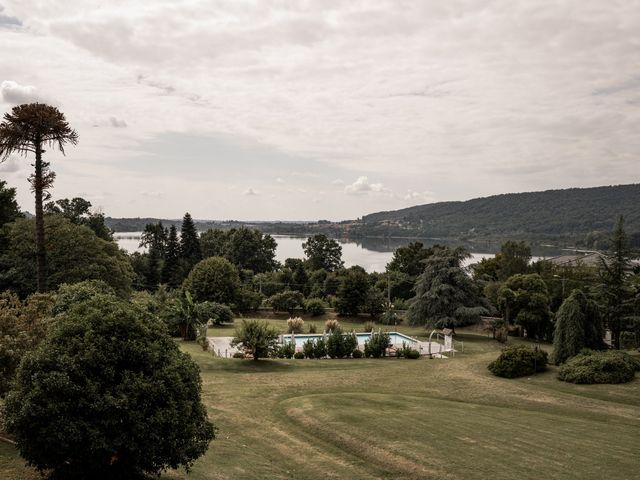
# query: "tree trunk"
{"points": [[41, 253]]}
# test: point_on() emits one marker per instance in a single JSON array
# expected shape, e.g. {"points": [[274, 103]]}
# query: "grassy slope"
{"points": [[388, 418]]}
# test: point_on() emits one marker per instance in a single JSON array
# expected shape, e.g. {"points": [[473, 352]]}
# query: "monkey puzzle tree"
{"points": [[28, 129]]}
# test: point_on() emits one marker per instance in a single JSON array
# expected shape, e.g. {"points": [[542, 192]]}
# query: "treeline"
{"points": [[569, 213]]}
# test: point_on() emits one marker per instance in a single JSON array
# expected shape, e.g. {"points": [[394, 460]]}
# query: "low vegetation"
{"points": [[591, 367], [519, 361]]}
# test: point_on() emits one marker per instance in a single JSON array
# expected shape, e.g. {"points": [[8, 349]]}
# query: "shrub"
{"points": [[320, 348], [257, 338], [331, 325], [213, 312], [286, 350], [108, 394], [377, 345], [407, 351], [357, 353], [298, 355], [519, 361], [390, 317], [314, 306], [599, 367], [295, 325], [374, 302], [368, 327], [401, 304], [313, 328], [308, 349], [335, 344], [248, 300], [286, 301], [350, 341], [238, 355]]}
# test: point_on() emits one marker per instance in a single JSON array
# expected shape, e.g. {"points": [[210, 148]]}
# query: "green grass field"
{"points": [[396, 418]]}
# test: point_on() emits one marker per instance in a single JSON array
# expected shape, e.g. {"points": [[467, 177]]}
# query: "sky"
{"points": [[327, 109]]}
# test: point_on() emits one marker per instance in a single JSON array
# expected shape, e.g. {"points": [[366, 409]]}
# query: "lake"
{"points": [[372, 254]]}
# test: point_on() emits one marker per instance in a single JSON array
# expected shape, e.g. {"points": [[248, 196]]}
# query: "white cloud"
{"points": [[279, 180], [250, 192], [419, 197], [338, 181], [362, 186], [14, 93]]}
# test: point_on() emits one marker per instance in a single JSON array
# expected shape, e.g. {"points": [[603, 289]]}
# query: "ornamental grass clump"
{"points": [[331, 324], [295, 325], [589, 367], [519, 361]]}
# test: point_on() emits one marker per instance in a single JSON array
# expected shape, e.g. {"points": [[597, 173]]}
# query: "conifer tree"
{"points": [[190, 250], [171, 272]]}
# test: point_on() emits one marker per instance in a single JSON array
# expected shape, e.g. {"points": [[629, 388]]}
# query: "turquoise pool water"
{"points": [[396, 338]]}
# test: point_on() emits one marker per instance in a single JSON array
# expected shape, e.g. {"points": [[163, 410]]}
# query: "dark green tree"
{"points": [[445, 295], [578, 326], [78, 211], [171, 269], [513, 259], [410, 259], [9, 210], [214, 279], [287, 301], [27, 130], [251, 249], [323, 252], [299, 276], [190, 250], [524, 300], [108, 395], [616, 294], [352, 292], [75, 254]]}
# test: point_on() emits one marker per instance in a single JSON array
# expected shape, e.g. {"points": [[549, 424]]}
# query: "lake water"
{"points": [[372, 254]]}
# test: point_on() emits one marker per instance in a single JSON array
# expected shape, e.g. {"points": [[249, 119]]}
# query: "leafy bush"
{"points": [[298, 355], [257, 338], [214, 279], [350, 343], [374, 302], [286, 301], [295, 325], [238, 355], [368, 327], [107, 394], [216, 313], [308, 348], [377, 345], [599, 367], [401, 304], [286, 350], [407, 351], [390, 317], [248, 300], [519, 361], [331, 325], [314, 306], [335, 344], [313, 328], [320, 348], [357, 353]]}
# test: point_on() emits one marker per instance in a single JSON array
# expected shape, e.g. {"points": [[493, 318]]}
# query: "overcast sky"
{"points": [[325, 109]]}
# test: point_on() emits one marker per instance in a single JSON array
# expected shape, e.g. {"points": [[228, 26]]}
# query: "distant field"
{"points": [[409, 419]]}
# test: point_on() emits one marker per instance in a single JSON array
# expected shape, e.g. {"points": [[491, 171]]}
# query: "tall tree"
{"points": [[446, 296], [578, 326], [171, 271], [524, 300], [352, 292], [323, 252], [9, 210], [410, 259], [190, 250], [78, 210], [616, 292], [28, 129]]}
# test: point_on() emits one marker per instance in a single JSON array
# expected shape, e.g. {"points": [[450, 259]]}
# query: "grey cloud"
{"points": [[14, 93]]}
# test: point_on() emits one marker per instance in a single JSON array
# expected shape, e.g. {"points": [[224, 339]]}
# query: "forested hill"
{"points": [[553, 213]]}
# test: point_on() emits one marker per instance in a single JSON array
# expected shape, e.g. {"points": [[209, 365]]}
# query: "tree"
{"points": [[190, 250], [287, 301], [524, 300], [23, 325], [445, 295], [154, 237], [28, 129], [108, 394], [323, 252], [75, 254], [410, 259], [616, 294], [514, 258], [251, 249], [214, 279], [299, 277], [352, 292], [171, 269], [9, 210], [78, 211], [578, 326], [374, 302], [257, 338]]}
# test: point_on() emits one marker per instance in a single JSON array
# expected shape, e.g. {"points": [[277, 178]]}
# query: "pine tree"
{"points": [[190, 250], [171, 271]]}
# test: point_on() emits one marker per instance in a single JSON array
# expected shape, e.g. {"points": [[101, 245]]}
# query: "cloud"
{"points": [[419, 197], [11, 165], [362, 186], [279, 180], [7, 21], [338, 181], [116, 122], [14, 93], [250, 192]]}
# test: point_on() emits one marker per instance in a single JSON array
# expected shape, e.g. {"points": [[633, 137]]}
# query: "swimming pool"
{"points": [[396, 338]]}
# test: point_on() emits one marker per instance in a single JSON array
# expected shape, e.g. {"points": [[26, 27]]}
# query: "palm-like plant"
{"points": [[28, 129]]}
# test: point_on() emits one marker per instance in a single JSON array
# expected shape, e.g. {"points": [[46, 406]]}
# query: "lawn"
{"points": [[396, 418]]}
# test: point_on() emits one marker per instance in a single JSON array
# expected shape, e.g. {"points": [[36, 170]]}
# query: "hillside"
{"points": [[571, 212]]}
